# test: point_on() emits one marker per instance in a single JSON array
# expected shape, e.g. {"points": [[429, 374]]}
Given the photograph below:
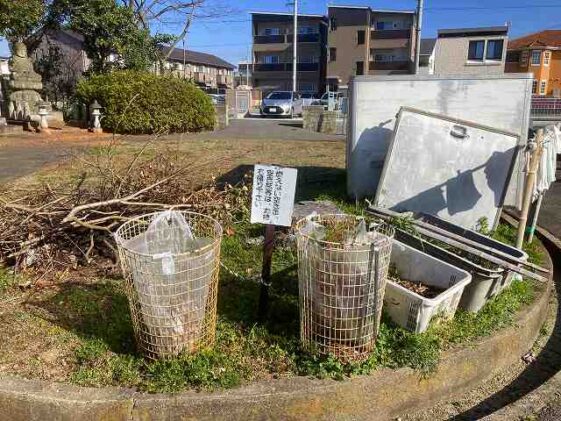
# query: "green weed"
{"points": [[247, 349], [7, 280], [507, 234]]}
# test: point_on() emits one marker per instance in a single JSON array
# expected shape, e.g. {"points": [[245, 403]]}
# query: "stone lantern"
{"points": [[43, 111], [96, 115]]}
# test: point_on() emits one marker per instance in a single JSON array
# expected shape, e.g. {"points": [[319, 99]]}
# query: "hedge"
{"points": [[141, 102]]}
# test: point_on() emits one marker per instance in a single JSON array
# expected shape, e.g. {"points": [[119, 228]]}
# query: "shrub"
{"points": [[141, 102]]}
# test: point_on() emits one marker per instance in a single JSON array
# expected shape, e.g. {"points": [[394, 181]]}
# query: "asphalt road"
{"points": [[268, 128]]}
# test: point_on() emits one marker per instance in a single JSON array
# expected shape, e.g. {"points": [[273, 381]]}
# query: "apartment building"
{"points": [[426, 56], [273, 52], [206, 70], [540, 54], [469, 51], [243, 76], [366, 41]]}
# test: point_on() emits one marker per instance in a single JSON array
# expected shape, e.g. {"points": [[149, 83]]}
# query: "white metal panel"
{"points": [[451, 168], [497, 101]]}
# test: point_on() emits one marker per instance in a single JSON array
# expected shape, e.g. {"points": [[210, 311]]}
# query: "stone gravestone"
{"points": [[23, 86]]}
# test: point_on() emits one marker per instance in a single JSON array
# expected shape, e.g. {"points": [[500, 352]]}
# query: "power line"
{"points": [[530, 6]]}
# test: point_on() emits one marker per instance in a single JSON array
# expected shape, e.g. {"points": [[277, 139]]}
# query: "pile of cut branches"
{"points": [[53, 228]]}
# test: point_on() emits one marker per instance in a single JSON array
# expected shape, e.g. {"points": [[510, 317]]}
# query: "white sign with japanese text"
{"points": [[274, 189]]}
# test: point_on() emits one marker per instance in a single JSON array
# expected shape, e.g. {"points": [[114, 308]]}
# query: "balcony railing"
{"points": [[304, 38], [269, 39], [223, 79], [284, 39], [390, 34], [546, 108], [390, 65], [269, 67], [285, 67]]}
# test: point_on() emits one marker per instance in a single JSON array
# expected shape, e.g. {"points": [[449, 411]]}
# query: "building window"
{"points": [[271, 59], [534, 86], [307, 59], [476, 50], [543, 86], [546, 58], [384, 25], [483, 50], [359, 68], [513, 57], [361, 37], [524, 57], [384, 58], [307, 87], [536, 58], [304, 30], [271, 31], [333, 54], [333, 24], [494, 49]]}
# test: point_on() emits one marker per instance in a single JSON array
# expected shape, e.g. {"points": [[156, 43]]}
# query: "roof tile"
{"points": [[549, 38]]}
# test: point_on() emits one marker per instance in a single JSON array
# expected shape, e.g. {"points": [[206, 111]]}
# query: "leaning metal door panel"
{"points": [[451, 168]]}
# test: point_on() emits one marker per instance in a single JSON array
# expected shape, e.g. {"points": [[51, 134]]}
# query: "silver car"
{"points": [[282, 103]]}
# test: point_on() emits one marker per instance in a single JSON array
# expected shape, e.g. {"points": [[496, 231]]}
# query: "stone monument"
{"points": [[23, 86]]}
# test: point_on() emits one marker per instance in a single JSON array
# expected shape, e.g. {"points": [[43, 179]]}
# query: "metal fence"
{"points": [[546, 108], [172, 295], [341, 289]]}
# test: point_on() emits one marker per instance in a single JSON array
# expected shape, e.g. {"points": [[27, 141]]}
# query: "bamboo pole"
{"points": [[535, 159]]}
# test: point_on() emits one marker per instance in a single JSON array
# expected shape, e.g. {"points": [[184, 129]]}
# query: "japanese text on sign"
{"points": [[274, 189]]}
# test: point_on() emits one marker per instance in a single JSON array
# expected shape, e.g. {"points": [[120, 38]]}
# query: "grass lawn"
{"points": [[80, 330]]}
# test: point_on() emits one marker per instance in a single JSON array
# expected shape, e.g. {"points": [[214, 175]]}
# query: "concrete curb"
{"points": [[382, 395]]}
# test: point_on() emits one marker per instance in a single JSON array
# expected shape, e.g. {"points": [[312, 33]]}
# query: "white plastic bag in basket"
{"points": [[171, 284], [168, 234]]}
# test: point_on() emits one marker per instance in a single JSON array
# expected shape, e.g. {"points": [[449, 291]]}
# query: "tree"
{"points": [[20, 19], [59, 80], [112, 38], [181, 13]]}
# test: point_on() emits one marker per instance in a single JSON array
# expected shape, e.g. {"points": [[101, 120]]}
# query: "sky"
{"points": [[229, 37]]}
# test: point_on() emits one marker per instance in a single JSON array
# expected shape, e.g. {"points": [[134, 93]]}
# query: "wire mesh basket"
{"points": [[341, 287], [170, 262]]}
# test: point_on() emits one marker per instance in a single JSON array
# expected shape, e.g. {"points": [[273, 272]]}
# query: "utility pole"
{"points": [[184, 60], [418, 34], [247, 68], [295, 50]]}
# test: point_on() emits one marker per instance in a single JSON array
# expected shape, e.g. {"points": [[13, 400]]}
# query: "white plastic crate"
{"points": [[412, 311]]}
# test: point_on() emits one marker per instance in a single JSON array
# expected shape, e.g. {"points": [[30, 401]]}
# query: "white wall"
{"points": [[497, 101]]}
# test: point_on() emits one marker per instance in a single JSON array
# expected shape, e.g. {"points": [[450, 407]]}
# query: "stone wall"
{"points": [[221, 117], [311, 116], [319, 120]]}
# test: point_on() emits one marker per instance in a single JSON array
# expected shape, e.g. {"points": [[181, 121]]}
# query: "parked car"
{"points": [[308, 99], [326, 97], [217, 99], [282, 103]]}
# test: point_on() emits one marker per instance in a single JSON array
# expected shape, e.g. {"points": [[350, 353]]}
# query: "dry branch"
{"points": [[54, 228]]}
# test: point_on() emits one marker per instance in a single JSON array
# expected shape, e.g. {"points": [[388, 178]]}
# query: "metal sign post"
{"points": [[272, 203]]}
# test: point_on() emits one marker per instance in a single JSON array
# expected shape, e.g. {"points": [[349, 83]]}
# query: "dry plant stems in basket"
{"points": [[342, 277]]}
